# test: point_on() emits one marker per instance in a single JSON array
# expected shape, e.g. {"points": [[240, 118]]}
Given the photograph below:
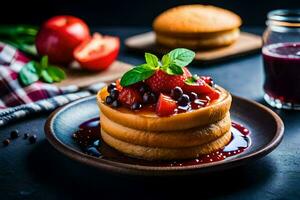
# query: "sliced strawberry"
{"points": [[118, 85], [165, 106], [129, 96], [163, 82], [201, 87], [207, 80]]}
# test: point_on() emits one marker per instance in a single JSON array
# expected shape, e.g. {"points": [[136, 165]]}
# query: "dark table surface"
{"points": [[40, 172]]}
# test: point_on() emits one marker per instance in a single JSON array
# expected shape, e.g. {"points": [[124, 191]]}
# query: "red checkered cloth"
{"points": [[17, 101], [12, 93]]}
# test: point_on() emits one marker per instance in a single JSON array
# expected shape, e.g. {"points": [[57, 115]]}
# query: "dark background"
{"points": [[130, 12]]}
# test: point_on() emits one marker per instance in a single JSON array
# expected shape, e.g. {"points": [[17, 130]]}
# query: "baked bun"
{"points": [[196, 26]]}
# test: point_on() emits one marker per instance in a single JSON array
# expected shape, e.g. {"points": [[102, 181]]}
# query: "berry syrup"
{"points": [[89, 139], [282, 72]]}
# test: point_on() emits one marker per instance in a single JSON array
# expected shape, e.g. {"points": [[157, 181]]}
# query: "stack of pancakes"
{"points": [[181, 136], [196, 27]]}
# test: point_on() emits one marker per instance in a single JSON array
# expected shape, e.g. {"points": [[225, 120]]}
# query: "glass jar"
{"points": [[281, 59]]}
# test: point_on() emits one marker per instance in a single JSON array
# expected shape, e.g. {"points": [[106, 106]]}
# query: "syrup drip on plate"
{"points": [[89, 139]]}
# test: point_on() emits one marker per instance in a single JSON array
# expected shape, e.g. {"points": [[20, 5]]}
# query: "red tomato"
{"points": [[97, 53], [59, 36]]}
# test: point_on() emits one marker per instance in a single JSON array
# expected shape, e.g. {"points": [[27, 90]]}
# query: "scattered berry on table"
{"points": [[32, 139], [26, 135], [6, 142], [14, 134]]}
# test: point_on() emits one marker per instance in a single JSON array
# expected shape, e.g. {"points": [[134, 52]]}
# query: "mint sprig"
{"points": [[171, 63], [34, 71]]}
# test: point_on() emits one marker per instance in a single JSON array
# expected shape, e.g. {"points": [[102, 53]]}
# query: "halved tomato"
{"points": [[98, 53]]}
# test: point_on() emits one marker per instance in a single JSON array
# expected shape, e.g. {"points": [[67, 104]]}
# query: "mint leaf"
{"points": [[44, 61], [29, 73], [56, 73], [137, 74], [173, 70], [181, 57], [46, 77], [151, 60], [166, 60]]}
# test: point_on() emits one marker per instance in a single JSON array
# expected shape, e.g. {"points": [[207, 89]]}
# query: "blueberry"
{"points": [[193, 96], [116, 104], [6, 142], [143, 89], [32, 139], [14, 134], [184, 100], [136, 106], [26, 135], [146, 97], [111, 86], [114, 93], [109, 100], [149, 98], [93, 151], [176, 93]]}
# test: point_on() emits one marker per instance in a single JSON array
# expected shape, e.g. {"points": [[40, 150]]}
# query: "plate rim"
{"points": [[134, 169]]}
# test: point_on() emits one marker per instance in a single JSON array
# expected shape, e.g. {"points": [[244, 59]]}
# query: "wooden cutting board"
{"points": [[83, 78], [247, 43]]}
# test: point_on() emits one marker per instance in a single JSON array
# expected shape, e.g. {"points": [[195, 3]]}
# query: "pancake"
{"points": [[198, 42], [196, 26], [171, 139], [151, 122], [150, 153]]}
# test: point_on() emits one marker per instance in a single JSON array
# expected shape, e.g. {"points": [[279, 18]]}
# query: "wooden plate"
{"points": [[84, 78], [265, 126], [247, 43]]}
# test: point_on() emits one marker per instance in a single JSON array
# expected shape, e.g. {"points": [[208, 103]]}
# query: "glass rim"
{"points": [[285, 15]]}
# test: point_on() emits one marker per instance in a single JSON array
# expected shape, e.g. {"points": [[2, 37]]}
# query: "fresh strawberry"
{"points": [[163, 82], [165, 106], [201, 87], [118, 85], [129, 96]]}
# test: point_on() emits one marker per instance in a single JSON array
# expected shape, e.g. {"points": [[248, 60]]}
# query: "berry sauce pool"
{"points": [[89, 140]]}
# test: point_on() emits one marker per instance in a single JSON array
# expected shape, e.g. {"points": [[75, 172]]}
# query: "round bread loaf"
{"points": [[194, 19], [196, 26]]}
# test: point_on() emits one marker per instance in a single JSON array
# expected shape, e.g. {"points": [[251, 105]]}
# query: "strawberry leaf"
{"points": [[151, 60], [137, 74]]}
